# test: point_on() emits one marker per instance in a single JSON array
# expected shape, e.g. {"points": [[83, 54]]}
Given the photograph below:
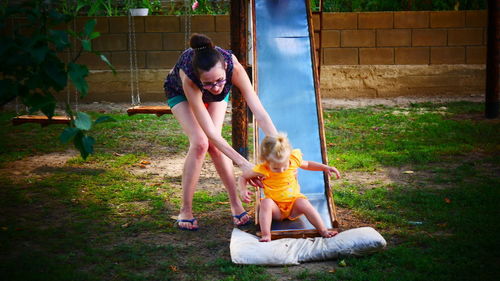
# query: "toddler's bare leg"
{"points": [[303, 206], [267, 212]]}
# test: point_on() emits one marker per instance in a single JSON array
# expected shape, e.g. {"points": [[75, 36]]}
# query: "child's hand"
{"points": [[332, 170]]}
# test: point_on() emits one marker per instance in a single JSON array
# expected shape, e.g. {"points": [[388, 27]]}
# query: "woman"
{"points": [[197, 89]]}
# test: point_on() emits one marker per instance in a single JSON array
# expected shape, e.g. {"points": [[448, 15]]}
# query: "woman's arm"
{"points": [[315, 166], [240, 79]]}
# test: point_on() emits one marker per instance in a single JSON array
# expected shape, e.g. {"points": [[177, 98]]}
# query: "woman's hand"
{"points": [[252, 177], [245, 194]]}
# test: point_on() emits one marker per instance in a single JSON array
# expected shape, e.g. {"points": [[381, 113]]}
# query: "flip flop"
{"points": [[238, 217], [191, 221]]}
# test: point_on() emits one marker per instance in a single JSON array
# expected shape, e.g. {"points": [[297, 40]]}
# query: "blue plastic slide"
{"points": [[285, 83]]}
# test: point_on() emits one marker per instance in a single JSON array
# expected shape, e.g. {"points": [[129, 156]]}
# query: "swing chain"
{"points": [[134, 71], [187, 22]]}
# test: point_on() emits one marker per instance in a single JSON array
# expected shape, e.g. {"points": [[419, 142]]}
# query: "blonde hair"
{"points": [[275, 148]]}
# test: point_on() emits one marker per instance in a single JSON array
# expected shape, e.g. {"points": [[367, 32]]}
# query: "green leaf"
{"points": [[48, 109], [103, 119], [57, 18], [39, 53], [78, 142], [107, 62], [83, 121], [87, 45], [94, 35], [54, 69], [88, 144], [68, 134], [60, 39], [89, 27], [36, 102], [77, 73]]}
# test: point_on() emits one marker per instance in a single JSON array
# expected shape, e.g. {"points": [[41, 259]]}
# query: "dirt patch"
{"points": [[36, 166]]}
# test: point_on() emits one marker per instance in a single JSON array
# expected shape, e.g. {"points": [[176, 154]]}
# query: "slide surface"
{"points": [[285, 79]]}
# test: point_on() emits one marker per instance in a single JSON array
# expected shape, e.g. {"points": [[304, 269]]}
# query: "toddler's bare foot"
{"points": [[327, 233], [265, 238]]}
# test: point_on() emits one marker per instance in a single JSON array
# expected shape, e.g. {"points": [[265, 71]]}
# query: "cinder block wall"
{"points": [[159, 39], [402, 38], [376, 54]]}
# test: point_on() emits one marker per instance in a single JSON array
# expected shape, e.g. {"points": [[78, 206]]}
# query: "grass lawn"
{"points": [[426, 176]]}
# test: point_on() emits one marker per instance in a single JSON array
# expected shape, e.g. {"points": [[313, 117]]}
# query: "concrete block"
{"points": [[162, 24], [340, 56], [121, 24], [441, 19], [418, 55], [475, 55], [465, 36], [161, 59], [221, 39], [330, 38], [411, 19], [476, 18], [93, 61], [429, 37], [107, 87], [340, 21], [222, 23], [357, 38], [376, 56], [447, 55], [393, 37], [202, 24], [173, 41], [111, 42], [148, 41], [121, 60], [374, 20]]}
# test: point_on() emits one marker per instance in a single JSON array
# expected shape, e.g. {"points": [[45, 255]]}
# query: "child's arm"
{"points": [[246, 195], [315, 166]]}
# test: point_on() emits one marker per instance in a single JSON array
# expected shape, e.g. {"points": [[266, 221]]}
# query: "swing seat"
{"points": [[40, 119], [159, 110]]}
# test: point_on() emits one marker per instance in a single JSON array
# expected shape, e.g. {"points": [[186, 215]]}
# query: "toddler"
{"points": [[283, 200]]}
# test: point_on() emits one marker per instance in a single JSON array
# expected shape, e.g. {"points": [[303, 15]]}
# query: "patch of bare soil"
{"points": [[36, 166]]}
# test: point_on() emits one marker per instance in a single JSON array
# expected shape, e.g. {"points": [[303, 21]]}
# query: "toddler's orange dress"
{"points": [[283, 187]]}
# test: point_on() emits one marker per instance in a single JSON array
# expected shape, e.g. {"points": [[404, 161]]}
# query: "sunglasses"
{"points": [[209, 86]]}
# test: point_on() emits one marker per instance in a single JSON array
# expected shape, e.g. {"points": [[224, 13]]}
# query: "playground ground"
{"points": [[426, 177]]}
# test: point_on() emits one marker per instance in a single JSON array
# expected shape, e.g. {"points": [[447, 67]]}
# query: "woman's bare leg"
{"points": [[224, 165], [198, 147]]}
